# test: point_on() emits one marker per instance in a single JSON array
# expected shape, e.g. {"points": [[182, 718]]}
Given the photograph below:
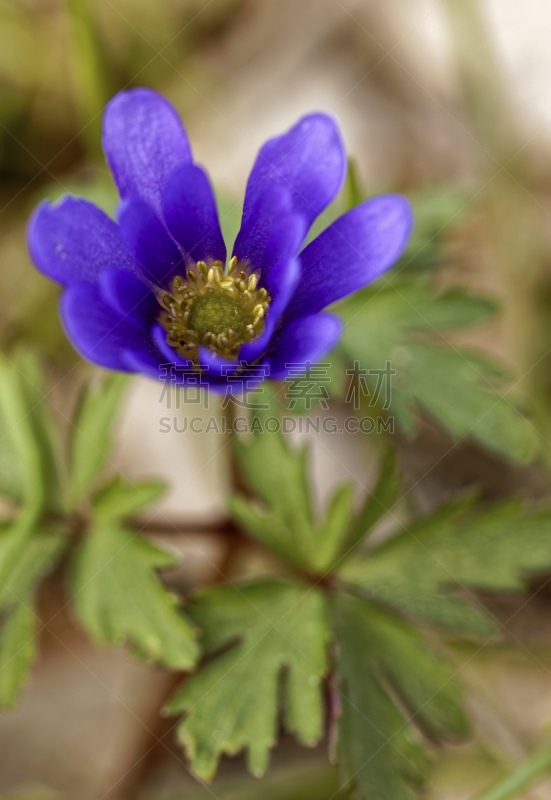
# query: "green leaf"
{"points": [[353, 191], [437, 210], [459, 390], [119, 598], [431, 568], [92, 434], [26, 555], [285, 521], [394, 312], [452, 388], [18, 648], [522, 777], [270, 627], [120, 499], [390, 682], [29, 471], [376, 505], [379, 751]]}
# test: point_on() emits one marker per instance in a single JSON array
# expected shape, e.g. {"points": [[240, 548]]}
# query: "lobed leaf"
{"points": [[26, 555], [119, 499], [377, 503], [284, 520], [29, 464], [430, 569], [118, 595], [269, 628], [390, 682], [18, 650], [461, 391], [93, 429]]}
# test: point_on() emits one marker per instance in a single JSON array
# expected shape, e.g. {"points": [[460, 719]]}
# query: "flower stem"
{"points": [[521, 777]]}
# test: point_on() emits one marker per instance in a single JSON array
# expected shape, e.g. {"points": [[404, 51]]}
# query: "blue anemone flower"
{"points": [[155, 289]]}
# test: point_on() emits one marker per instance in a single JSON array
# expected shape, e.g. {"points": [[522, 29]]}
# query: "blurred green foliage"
{"points": [[387, 679], [118, 596], [344, 609], [347, 639]]}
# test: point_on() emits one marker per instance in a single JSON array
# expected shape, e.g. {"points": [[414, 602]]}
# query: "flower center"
{"points": [[208, 307]]}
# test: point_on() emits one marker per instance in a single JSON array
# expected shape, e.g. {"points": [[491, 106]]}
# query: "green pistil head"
{"points": [[217, 312], [208, 307]]}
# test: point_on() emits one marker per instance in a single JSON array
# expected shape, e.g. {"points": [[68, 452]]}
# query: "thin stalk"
{"points": [[234, 542], [525, 775]]}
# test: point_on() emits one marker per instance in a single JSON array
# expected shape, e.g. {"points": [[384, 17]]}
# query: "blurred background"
{"points": [[445, 99]]}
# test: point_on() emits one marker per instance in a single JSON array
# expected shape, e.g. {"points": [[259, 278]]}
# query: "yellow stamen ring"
{"points": [[208, 307]]}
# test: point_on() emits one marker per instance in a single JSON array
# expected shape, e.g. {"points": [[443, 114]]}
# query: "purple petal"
{"points": [[303, 341], [154, 366], [130, 297], [283, 280], [97, 332], [351, 253], [144, 141], [191, 216], [233, 379], [72, 240], [171, 371], [148, 239], [149, 364], [308, 160], [272, 232], [214, 365]]}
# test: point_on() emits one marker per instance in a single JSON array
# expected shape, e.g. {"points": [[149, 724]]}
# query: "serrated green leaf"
{"points": [[119, 598], [451, 387], [92, 432], [394, 312], [120, 499], [232, 703], [285, 522], [28, 439], [336, 526], [421, 677], [379, 751], [430, 569], [390, 683], [18, 647], [26, 555], [459, 390], [377, 503], [12, 479]]}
